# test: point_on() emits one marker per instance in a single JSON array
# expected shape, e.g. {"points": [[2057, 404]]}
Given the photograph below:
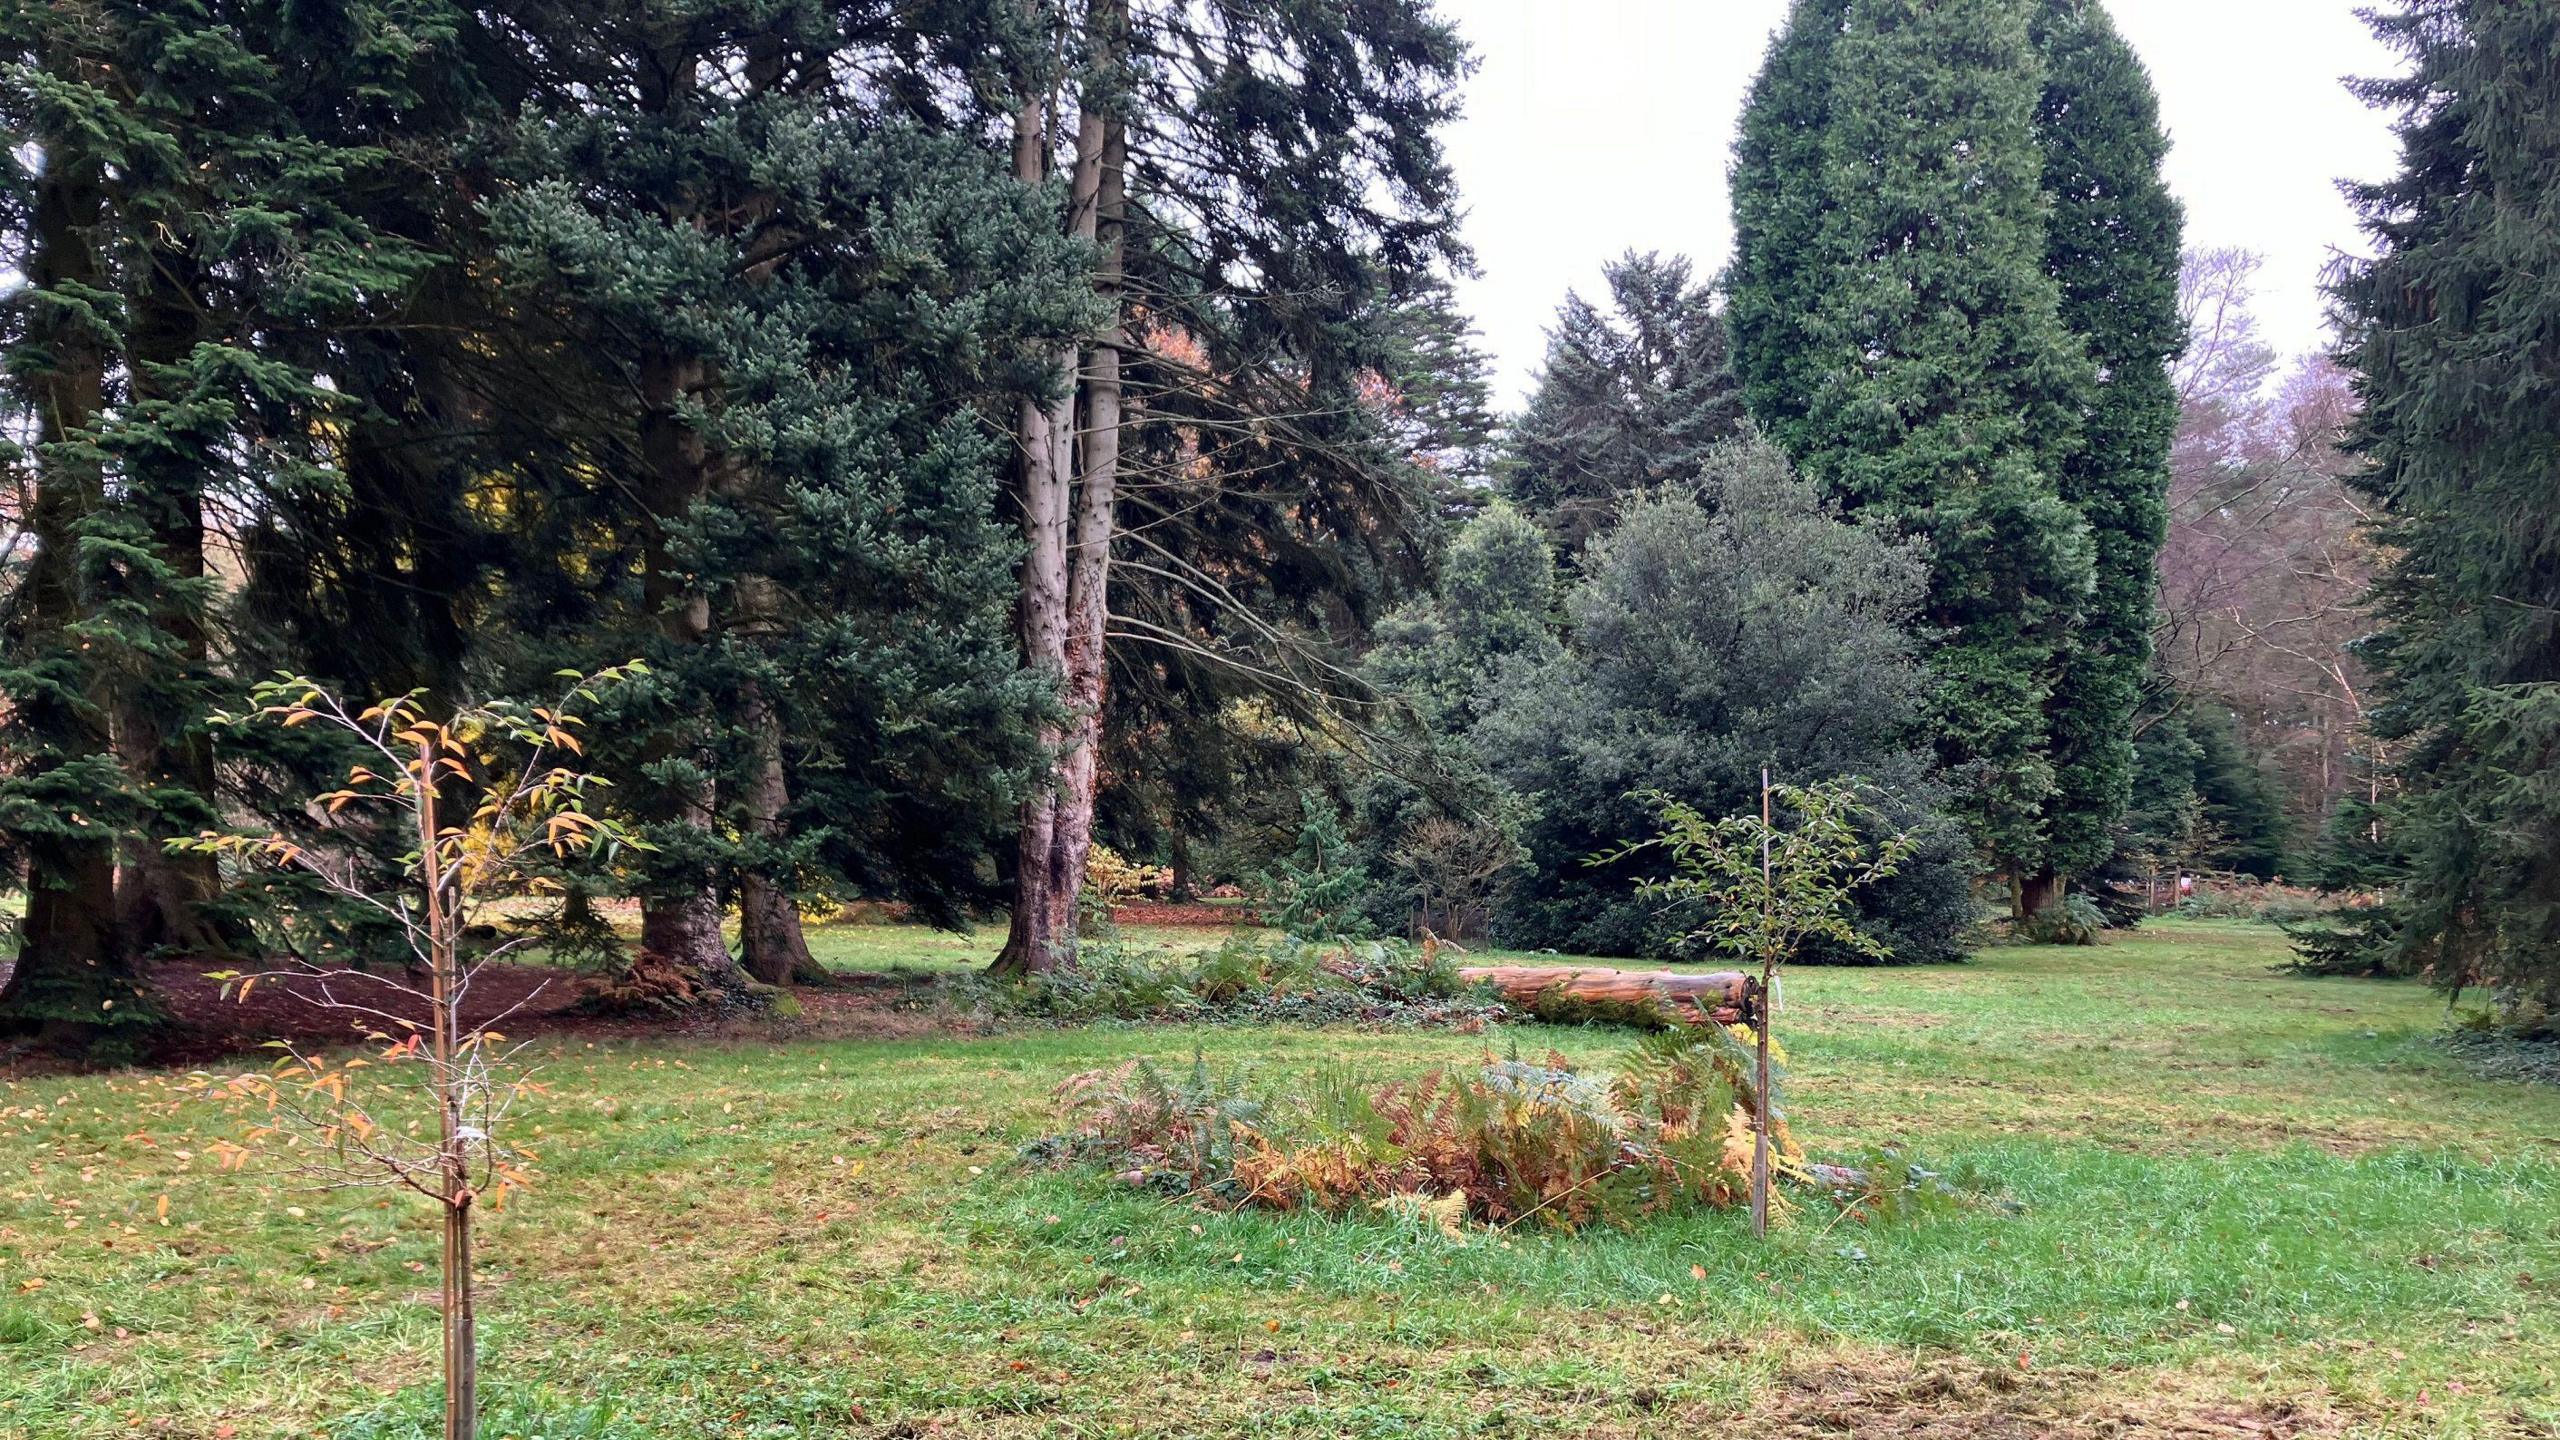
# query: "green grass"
{"points": [[2232, 1198]]}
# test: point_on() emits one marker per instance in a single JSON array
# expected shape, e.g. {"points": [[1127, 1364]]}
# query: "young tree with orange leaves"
{"points": [[484, 826]]}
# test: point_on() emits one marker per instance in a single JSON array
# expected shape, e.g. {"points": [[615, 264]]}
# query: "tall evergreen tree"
{"points": [[1900, 332], [791, 293], [2112, 244], [213, 252], [62, 798], [2450, 330], [1631, 396]]}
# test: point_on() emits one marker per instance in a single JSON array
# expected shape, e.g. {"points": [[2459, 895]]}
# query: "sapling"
{"points": [[1764, 886], [490, 807]]}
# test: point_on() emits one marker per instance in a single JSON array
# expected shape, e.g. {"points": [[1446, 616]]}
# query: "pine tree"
{"points": [[2112, 245], [1631, 397], [1900, 333], [2449, 332]]}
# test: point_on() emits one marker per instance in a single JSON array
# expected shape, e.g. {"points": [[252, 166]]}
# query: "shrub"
{"points": [[1259, 978], [1709, 633], [1316, 890]]}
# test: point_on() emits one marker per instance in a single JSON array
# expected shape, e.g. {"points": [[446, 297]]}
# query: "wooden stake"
{"points": [[1760, 1031]]}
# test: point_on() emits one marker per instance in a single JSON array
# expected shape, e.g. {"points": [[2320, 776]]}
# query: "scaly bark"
{"points": [[773, 945]]}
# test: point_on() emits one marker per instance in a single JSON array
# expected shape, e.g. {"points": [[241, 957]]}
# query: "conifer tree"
{"points": [[62, 798], [215, 246], [2449, 330], [1900, 333], [2113, 240], [1630, 397], [792, 294]]}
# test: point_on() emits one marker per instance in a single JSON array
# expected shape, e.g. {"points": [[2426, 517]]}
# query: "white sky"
{"points": [[1594, 126]]}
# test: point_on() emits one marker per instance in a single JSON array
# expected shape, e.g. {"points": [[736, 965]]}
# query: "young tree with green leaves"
{"points": [[1764, 892], [2449, 332]]}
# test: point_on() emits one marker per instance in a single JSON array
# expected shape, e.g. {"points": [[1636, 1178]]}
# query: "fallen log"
{"points": [[1725, 997]]}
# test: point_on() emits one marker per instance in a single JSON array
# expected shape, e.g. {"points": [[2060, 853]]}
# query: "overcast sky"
{"points": [[1599, 125]]}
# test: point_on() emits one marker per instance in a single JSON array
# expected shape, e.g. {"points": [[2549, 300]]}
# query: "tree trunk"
{"points": [[1041, 933], [775, 948], [680, 919], [163, 900], [680, 914], [461, 1328], [74, 977], [2034, 893], [1066, 590]]}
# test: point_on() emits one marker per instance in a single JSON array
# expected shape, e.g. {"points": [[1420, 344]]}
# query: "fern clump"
{"points": [[1509, 1142]]}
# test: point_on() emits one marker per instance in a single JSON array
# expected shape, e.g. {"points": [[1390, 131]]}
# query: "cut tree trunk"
{"points": [[1724, 997]]}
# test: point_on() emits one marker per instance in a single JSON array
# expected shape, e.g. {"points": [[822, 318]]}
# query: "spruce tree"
{"points": [[62, 798], [214, 252], [1900, 333], [790, 296], [2449, 332], [1630, 397]]}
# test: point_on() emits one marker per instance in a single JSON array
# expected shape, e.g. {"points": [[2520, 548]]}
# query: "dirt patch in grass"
{"points": [[1888, 1397]]}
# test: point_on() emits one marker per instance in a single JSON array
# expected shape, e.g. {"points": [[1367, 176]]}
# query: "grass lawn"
{"points": [[2238, 1204]]}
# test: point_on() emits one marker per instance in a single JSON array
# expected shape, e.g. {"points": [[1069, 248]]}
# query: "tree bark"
{"points": [[680, 920], [74, 975], [2034, 893], [162, 899], [680, 924], [1071, 476], [774, 946]]}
